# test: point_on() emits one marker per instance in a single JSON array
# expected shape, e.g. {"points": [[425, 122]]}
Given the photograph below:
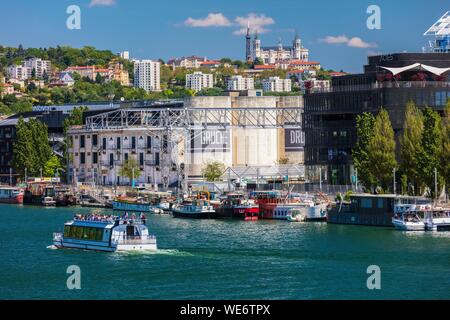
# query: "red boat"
{"points": [[269, 200], [238, 207], [11, 195]]}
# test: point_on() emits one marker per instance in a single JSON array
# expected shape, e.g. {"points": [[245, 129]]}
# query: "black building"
{"points": [[54, 121], [330, 116]]}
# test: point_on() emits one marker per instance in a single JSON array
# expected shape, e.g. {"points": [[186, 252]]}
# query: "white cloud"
{"points": [[357, 42], [212, 20], [257, 22], [354, 42], [102, 3]]}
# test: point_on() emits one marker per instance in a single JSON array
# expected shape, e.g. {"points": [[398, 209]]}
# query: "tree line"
{"points": [[423, 157]]}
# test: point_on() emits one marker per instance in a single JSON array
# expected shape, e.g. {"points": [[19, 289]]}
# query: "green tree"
{"points": [[213, 171], [41, 148], [365, 127], [52, 166], [130, 169], [382, 151], [429, 154], [410, 145], [445, 153], [24, 155]]}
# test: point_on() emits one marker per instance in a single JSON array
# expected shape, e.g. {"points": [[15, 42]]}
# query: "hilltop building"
{"points": [[274, 54]]}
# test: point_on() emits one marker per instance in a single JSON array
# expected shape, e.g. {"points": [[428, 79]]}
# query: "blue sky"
{"points": [[162, 29]]}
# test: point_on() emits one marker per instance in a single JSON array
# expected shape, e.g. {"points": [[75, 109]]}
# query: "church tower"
{"points": [[256, 47], [248, 45], [297, 48]]}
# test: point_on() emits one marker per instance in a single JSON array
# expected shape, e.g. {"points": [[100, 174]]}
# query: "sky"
{"points": [[335, 32]]}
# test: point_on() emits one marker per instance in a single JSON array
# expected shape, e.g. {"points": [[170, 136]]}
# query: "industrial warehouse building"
{"points": [[100, 149]]}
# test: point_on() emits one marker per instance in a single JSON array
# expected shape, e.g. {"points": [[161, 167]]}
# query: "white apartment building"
{"points": [[198, 80], [147, 75], [40, 66], [17, 72], [124, 55], [276, 84], [25, 71], [240, 83]]}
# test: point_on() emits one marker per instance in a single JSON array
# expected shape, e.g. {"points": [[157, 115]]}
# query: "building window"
{"points": [[141, 159], [133, 142], [94, 140], [82, 142], [118, 142], [82, 158], [95, 158], [111, 159], [149, 142], [126, 156], [104, 143]]}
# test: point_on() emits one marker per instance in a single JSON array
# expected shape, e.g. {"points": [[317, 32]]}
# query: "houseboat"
{"points": [[370, 210], [237, 206], [132, 204], [268, 201], [196, 208], [11, 195], [105, 233], [36, 192]]}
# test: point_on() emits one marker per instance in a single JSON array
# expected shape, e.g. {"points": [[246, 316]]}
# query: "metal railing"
{"points": [[384, 85], [137, 239]]}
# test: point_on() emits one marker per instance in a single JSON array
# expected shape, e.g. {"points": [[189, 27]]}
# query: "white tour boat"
{"points": [[105, 233]]}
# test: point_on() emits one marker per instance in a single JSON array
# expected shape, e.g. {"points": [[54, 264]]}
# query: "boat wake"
{"points": [[166, 252], [52, 247]]}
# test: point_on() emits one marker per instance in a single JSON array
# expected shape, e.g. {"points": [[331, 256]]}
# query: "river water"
{"points": [[214, 259]]}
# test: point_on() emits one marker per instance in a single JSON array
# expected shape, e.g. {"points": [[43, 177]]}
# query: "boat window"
{"points": [[366, 203], [380, 203], [85, 233], [67, 231], [99, 235]]}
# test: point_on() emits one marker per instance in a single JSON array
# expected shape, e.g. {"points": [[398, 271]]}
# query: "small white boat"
{"points": [[408, 221], [156, 210], [295, 215], [437, 220], [105, 234], [48, 202]]}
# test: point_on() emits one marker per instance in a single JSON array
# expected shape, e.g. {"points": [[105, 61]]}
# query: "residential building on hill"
{"points": [[147, 75], [276, 84], [240, 83], [198, 80]]}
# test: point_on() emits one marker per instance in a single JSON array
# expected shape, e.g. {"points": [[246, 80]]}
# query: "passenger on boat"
{"points": [[143, 218]]}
